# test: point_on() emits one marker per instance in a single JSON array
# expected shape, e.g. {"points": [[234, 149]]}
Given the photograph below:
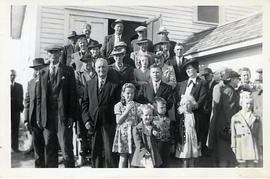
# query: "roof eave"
{"points": [[224, 48]]}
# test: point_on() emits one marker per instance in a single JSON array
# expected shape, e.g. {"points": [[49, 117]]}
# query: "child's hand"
{"points": [[130, 105]]}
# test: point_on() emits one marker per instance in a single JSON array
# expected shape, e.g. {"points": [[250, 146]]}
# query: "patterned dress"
{"points": [[123, 141], [190, 147]]}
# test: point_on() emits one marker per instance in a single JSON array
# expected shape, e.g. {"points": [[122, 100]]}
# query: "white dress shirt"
{"points": [[190, 84], [156, 85], [55, 69]]}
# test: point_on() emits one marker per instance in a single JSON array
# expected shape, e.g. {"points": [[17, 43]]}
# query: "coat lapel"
{"points": [[105, 90], [44, 80], [151, 91], [94, 86], [195, 86], [160, 89]]}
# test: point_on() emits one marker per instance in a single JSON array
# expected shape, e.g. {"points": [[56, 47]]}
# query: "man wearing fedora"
{"points": [[16, 95], [69, 49], [143, 46], [111, 40], [32, 107], [142, 34], [177, 62], [169, 48], [58, 108], [87, 32]]}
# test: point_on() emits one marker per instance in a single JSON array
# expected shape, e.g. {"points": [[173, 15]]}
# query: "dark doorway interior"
{"points": [[129, 27]]}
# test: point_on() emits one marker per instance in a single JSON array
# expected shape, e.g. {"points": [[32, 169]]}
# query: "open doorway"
{"points": [[129, 27]]}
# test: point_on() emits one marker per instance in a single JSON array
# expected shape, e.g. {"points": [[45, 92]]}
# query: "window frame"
{"points": [[195, 16]]}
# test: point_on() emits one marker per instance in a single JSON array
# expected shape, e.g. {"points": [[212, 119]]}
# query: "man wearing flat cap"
{"points": [[225, 105], [69, 49], [32, 109], [111, 40], [87, 32], [142, 34], [58, 108], [135, 56]]}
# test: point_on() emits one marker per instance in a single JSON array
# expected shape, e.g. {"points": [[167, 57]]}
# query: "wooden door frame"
{"points": [[91, 12]]}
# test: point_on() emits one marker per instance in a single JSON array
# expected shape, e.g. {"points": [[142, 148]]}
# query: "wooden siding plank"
{"points": [[52, 15], [52, 26], [49, 9], [52, 30], [52, 21], [52, 36]]}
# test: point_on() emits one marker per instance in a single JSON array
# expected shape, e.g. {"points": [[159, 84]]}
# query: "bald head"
{"points": [[101, 67]]}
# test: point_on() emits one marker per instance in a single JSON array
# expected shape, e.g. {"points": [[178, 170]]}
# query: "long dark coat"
{"points": [[98, 109], [199, 92]]}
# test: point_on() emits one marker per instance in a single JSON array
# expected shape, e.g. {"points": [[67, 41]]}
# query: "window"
{"points": [[207, 14]]}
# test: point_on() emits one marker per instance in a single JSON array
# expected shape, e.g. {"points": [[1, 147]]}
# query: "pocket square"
{"points": [[63, 77]]}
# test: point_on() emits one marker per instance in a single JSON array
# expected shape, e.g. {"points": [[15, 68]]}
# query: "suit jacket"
{"points": [[180, 72], [144, 141], [68, 50], [199, 92], [108, 45], [209, 97], [32, 102], [16, 98], [146, 93], [67, 97]]}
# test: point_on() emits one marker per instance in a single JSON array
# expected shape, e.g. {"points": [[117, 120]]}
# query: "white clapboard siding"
{"points": [[178, 19]]}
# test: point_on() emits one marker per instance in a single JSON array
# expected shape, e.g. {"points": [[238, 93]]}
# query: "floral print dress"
{"points": [[123, 141]]}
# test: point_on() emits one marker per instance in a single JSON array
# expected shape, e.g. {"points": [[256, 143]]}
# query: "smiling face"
{"points": [[101, 68], [147, 116], [191, 71], [82, 44], [144, 61], [95, 52], [128, 94], [118, 28], [155, 74]]}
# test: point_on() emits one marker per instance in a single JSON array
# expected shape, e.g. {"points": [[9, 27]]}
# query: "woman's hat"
{"points": [[162, 30], [164, 39], [93, 45], [140, 29], [140, 41], [53, 47], [120, 44], [118, 51], [193, 62], [38, 63], [73, 34]]}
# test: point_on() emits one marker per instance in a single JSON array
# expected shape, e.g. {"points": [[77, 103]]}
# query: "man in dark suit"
{"points": [[177, 62], [142, 34], [69, 49], [16, 91], [196, 87], [87, 32], [32, 113], [110, 40], [58, 107], [100, 96], [155, 88]]}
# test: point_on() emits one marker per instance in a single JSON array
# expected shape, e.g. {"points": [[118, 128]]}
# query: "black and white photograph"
{"points": [[135, 86]]}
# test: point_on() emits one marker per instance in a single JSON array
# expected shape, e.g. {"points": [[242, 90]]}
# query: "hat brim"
{"points": [[114, 23], [163, 42], [38, 66], [99, 46], [73, 36], [160, 32], [142, 41]]}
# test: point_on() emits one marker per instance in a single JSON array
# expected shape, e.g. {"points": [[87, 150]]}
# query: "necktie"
{"points": [[101, 84], [156, 88], [190, 82], [53, 72]]}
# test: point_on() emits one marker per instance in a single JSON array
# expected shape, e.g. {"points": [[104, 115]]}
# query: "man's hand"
{"points": [[88, 125]]}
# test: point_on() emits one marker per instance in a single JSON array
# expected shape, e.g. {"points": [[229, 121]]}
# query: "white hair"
{"points": [[101, 60]]}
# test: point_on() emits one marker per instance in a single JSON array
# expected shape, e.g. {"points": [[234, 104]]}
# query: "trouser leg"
{"points": [[51, 148], [38, 145], [15, 122]]}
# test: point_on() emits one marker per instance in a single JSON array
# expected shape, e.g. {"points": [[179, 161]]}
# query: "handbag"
{"points": [[147, 161]]}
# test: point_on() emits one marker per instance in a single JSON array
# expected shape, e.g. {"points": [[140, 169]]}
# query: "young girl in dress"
{"points": [[188, 148], [126, 119], [146, 153], [246, 134]]}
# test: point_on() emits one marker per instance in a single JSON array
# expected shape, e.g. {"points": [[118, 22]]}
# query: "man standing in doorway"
{"points": [[16, 91]]}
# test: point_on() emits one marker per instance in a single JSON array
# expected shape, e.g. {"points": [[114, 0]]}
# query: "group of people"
{"points": [[139, 104]]}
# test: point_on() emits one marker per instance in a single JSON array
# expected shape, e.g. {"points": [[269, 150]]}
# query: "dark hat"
{"points": [[192, 62], [73, 34], [140, 29], [118, 51], [140, 41], [120, 44], [38, 62], [164, 39], [93, 45], [116, 22], [81, 35], [259, 70], [229, 74], [162, 30], [207, 71], [53, 47], [86, 58]]}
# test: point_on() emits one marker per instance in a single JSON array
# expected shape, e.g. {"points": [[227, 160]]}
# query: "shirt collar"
{"points": [[158, 83], [104, 79], [192, 79], [56, 66]]}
